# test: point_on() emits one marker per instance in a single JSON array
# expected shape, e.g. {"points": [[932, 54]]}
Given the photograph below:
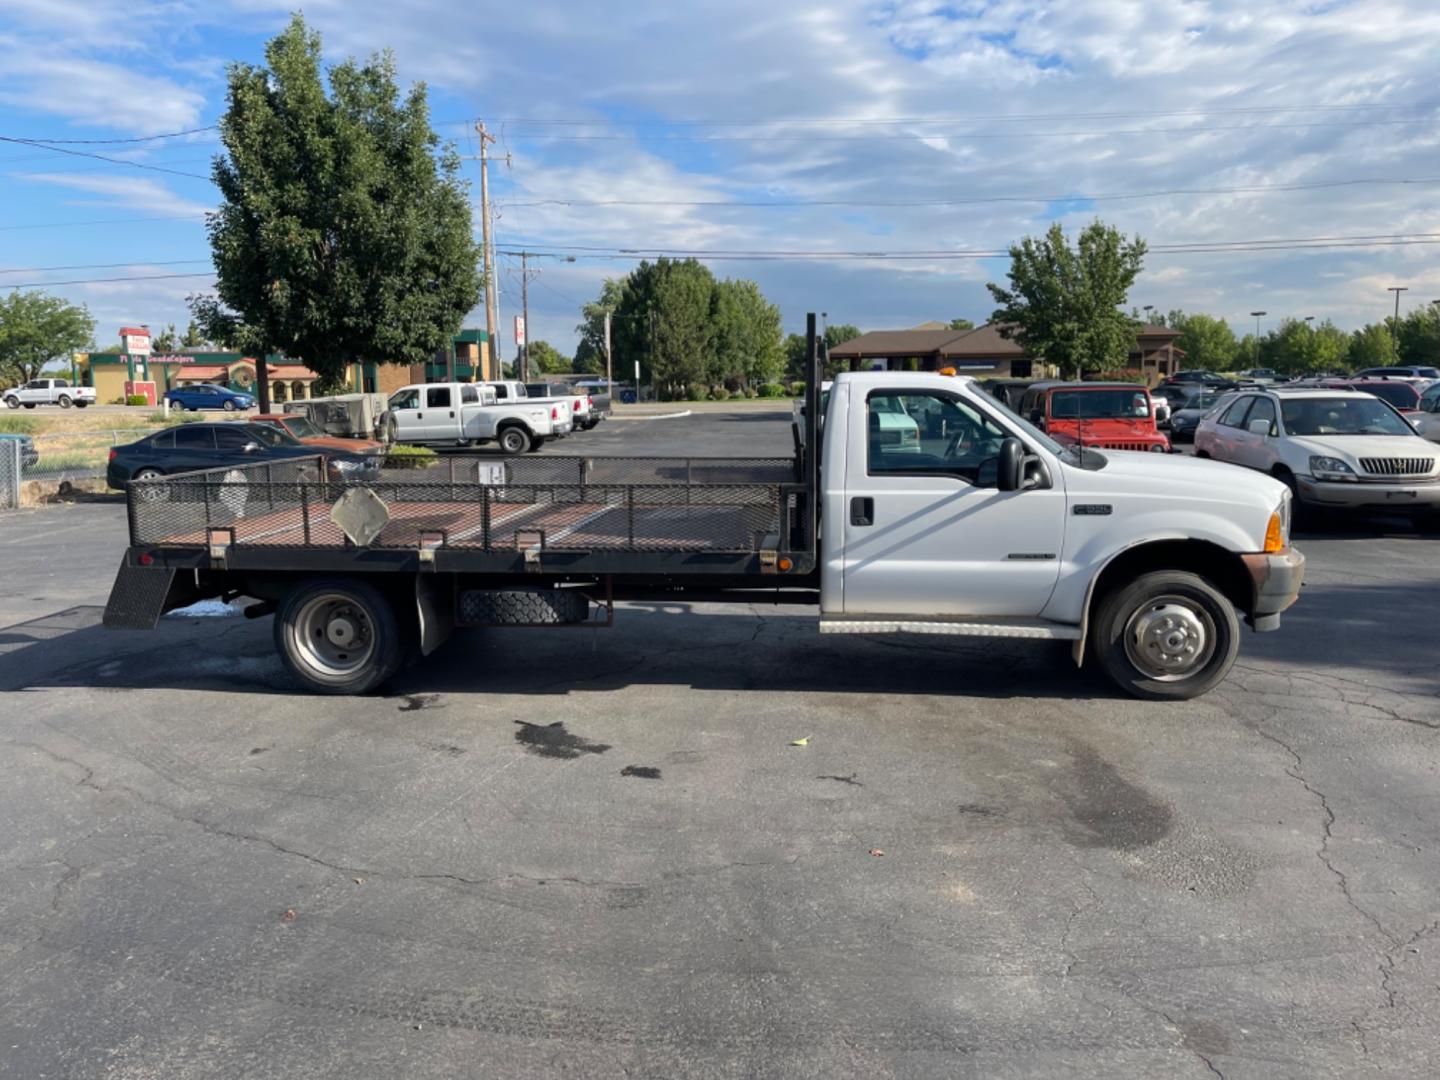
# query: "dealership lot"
{"points": [[597, 853]]}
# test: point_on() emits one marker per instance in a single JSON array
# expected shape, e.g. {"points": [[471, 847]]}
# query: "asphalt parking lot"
{"points": [[595, 853]]}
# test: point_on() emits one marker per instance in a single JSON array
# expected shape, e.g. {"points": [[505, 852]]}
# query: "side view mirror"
{"points": [[1010, 468], [1037, 417], [1258, 427], [251, 447]]}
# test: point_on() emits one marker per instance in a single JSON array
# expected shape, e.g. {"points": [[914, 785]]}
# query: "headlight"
{"points": [[1331, 468], [346, 467]]}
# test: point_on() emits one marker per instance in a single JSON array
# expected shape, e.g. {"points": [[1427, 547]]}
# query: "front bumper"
{"points": [[1363, 494], [1275, 581]]}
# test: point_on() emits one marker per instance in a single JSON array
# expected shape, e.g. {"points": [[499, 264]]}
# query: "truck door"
{"points": [[407, 415], [440, 416], [927, 532]]}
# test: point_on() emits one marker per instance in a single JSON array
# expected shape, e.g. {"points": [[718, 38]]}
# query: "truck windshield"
{"points": [[1357, 415], [1098, 404], [302, 428], [270, 435]]}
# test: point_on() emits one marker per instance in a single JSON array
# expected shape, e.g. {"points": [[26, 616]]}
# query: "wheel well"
{"points": [[505, 425], [1221, 568]]}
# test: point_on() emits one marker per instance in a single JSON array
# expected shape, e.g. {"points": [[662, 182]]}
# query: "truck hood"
{"points": [[1176, 474]]}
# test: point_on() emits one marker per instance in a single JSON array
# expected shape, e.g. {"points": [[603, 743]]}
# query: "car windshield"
{"points": [[270, 435], [302, 428], [1201, 401], [1357, 415], [1098, 404]]}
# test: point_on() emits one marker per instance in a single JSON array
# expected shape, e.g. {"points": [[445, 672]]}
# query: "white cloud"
{"points": [[131, 192]]}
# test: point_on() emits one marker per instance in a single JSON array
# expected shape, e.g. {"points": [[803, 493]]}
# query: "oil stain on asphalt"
{"points": [[1110, 811], [553, 741]]}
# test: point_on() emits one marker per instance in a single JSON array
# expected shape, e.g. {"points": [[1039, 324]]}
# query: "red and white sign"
{"points": [[135, 340], [519, 329]]}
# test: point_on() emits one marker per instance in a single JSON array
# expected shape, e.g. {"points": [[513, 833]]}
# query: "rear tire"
{"points": [[29, 404], [514, 440], [229, 406], [1202, 454], [64, 401], [338, 636], [1169, 635]]}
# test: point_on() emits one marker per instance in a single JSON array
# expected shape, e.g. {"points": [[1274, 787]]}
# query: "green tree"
{"points": [[1329, 348], [194, 337], [748, 346], [1420, 337], [1064, 303], [663, 320], [961, 324], [545, 359], [590, 352], [36, 329], [341, 235], [166, 341], [1372, 346], [1209, 343]]}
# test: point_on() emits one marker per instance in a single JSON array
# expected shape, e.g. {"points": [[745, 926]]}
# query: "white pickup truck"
{"points": [[49, 392], [463, 414]]}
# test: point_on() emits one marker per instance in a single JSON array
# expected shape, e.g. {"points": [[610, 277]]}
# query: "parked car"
{"points": [[49, 392], [1112, 416], [1427, 420], [468, 413], [1185, 419], [1262, 375], [304, 429], [1405, 396], [1176, 394], [1333, 448], [582, 406], [1207, 379], [1422, 372], [29, 456], [208, 396], [189, 447]]}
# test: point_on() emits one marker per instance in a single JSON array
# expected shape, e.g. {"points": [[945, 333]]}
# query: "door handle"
{"points": [[862, 510]]}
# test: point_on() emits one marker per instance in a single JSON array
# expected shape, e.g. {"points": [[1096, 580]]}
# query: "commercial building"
{"points": [[984, 352], [472, 364]]}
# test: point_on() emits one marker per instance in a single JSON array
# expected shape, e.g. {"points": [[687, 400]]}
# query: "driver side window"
{"points": [[915, 433], [406, 399]]}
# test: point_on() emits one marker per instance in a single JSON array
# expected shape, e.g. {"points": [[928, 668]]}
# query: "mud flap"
{"points": [[435, 607], [142, 594]]}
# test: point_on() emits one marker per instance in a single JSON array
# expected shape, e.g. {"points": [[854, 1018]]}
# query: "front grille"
{"points": [[1395, 466], [1141, 446]]}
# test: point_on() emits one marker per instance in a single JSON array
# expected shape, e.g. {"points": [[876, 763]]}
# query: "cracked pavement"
{"points": [[203, 873]]}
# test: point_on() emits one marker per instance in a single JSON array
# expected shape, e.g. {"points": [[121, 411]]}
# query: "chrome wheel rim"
{"points": [[149, 490], [334, 635], [1170, 638]]}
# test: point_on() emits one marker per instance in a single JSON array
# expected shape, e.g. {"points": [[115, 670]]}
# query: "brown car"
{"points": [[304, 429]]}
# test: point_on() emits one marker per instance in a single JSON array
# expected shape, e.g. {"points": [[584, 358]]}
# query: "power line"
{"points": [[1072, 197], [99, 281], [139, 139], [100, 157], [101, 221], [849, 121], [971, 135], [99, 266]]}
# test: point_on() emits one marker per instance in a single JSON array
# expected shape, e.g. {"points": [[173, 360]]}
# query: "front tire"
{"points": [[1169, 635], [338, 636], [12, 402], [514, 440]]}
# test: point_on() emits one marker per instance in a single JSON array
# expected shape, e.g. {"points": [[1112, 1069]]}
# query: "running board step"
{"points": [[1036, 629]]}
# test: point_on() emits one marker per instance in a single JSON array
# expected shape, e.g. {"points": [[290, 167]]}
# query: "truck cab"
{"points": [[1109, 416]]}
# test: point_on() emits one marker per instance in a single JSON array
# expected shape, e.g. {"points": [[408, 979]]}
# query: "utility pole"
{"points": [[491, 318], [1395, 326], [524, 350], [1258, 316], [609, 364]]}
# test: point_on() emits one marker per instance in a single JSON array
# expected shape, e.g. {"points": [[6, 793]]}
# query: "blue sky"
{"points": [[896, 126]]}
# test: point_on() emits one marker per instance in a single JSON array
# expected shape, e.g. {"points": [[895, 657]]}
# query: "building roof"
{"points": [[1155, 330], [475, 337], [899, 344], [982, 341]]}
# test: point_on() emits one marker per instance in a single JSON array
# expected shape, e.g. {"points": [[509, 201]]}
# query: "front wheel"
{"points": [[338, 636], [12, 402], [1169, 635]]}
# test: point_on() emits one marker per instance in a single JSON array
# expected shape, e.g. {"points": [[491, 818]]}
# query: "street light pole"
{"points": [[1258, 316], [1395, 326]]}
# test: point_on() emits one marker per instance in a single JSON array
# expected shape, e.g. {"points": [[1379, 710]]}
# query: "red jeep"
{"points": [[1108, 416]]}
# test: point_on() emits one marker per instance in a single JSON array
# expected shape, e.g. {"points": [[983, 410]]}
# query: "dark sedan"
{"points": [[189, 447], [1186, 417]]}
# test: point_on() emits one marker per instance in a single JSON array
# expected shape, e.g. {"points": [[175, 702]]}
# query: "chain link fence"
{"points": [[37, 468]]}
